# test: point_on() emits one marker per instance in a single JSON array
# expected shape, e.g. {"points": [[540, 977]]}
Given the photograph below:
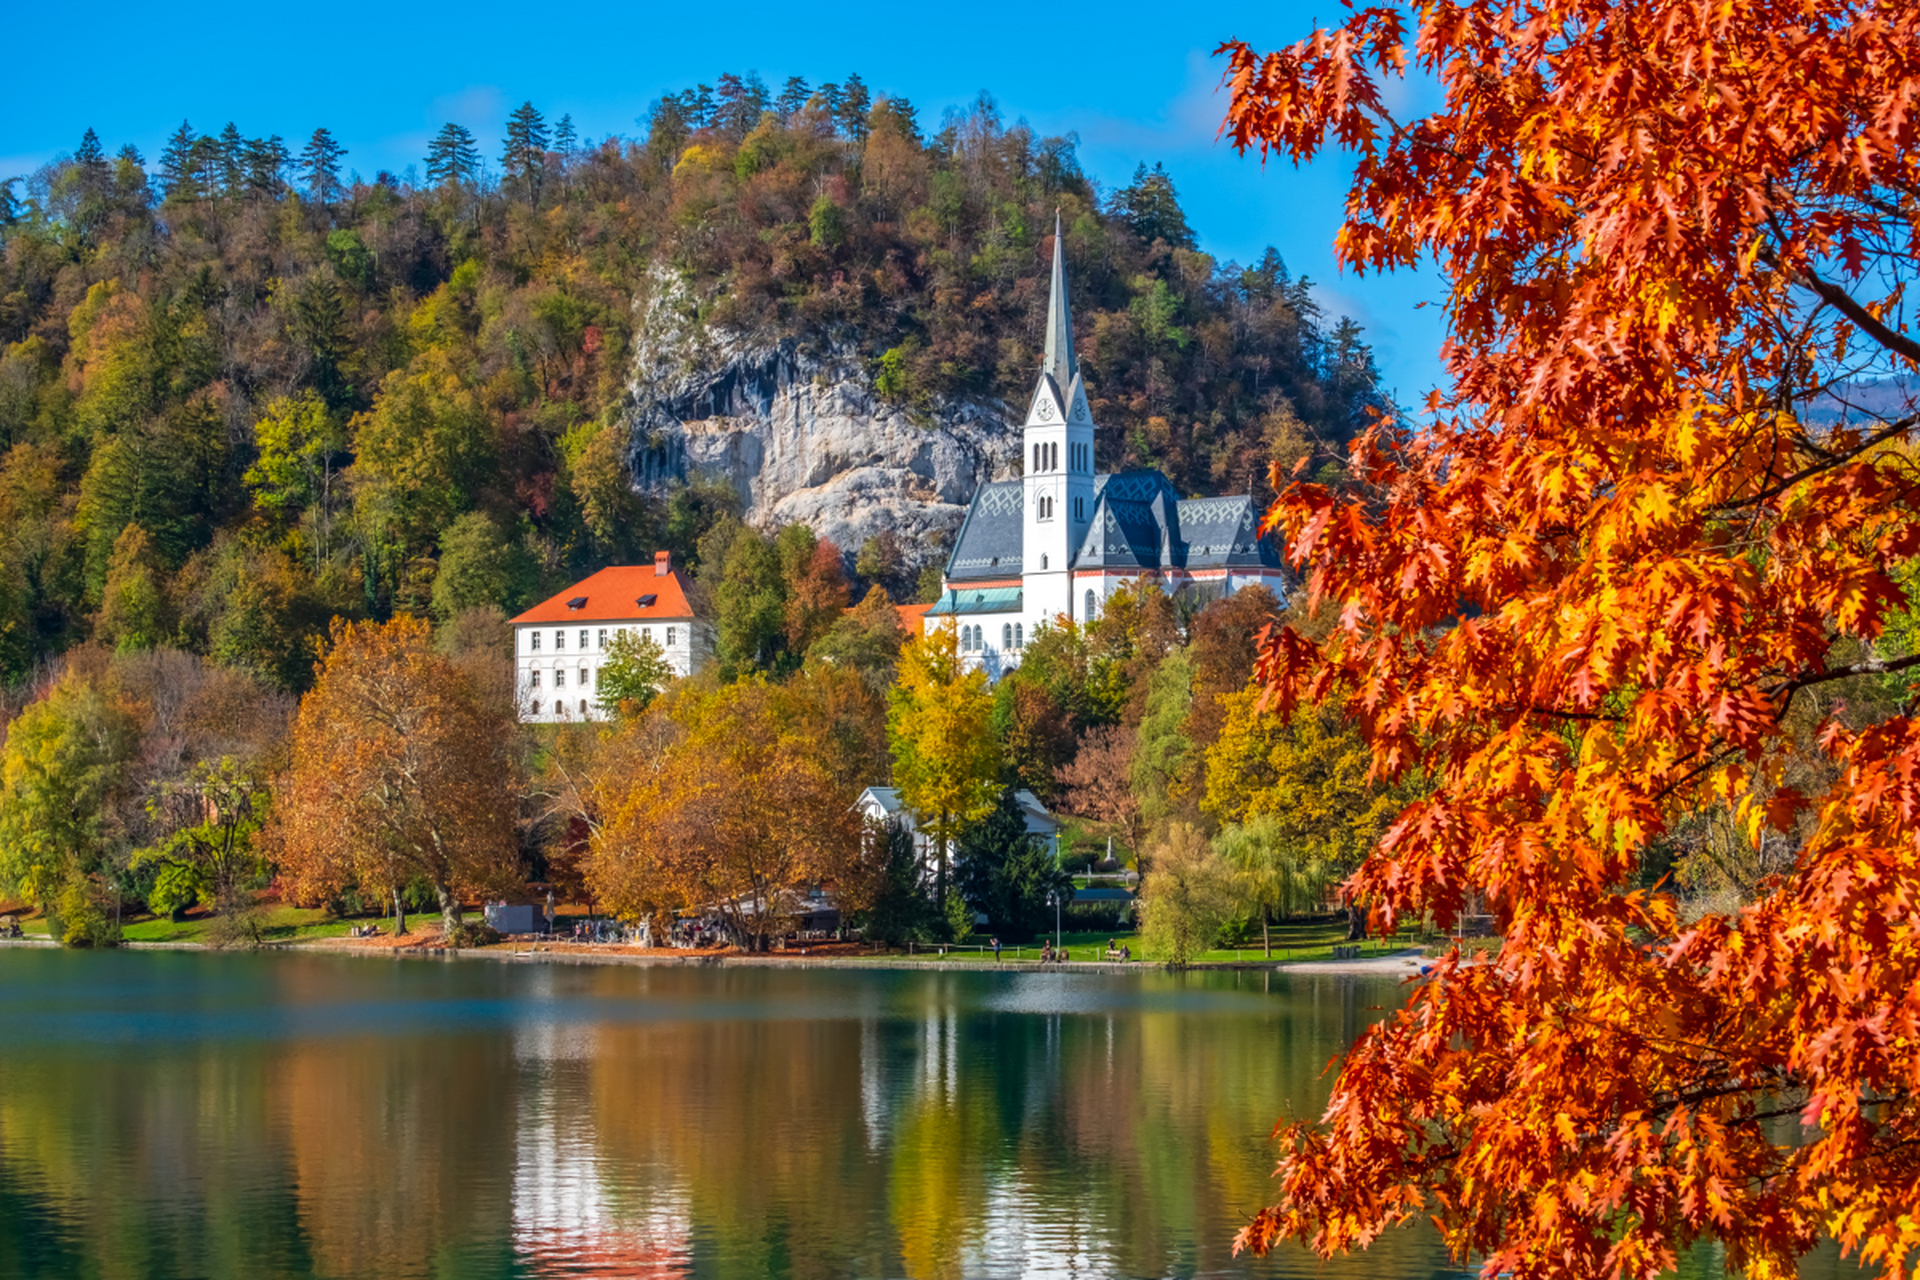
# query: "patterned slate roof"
{"points": [[990, 541], [1138, 522]]}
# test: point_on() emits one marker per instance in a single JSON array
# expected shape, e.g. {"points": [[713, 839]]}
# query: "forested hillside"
{"points": [[245, 390]]}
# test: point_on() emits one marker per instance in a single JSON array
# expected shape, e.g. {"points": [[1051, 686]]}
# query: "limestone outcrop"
{"points": [[800, 434]]}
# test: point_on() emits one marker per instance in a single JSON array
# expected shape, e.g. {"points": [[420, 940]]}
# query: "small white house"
{"points": [[560, 643], [881, 804]]}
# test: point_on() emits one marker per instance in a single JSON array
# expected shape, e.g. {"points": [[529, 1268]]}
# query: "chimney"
{"points": [[662, 563]]}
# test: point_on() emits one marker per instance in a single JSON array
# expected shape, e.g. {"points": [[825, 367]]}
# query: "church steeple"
{"points": [[1059, 360]]}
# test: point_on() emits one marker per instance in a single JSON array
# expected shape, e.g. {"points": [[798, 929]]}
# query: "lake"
{"points": [[168, 1114]]}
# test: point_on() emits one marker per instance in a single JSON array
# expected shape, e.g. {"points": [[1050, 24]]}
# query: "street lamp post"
{"points": [[1056, 919]]}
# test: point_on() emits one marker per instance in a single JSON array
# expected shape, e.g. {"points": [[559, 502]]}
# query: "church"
{"points": [[1059, 539]]}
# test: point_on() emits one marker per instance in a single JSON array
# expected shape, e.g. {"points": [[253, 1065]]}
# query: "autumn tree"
{"points": [[1098, 782], [1279, 874], [1587, 593], [402, 769], [945, 760], [737, 817]]}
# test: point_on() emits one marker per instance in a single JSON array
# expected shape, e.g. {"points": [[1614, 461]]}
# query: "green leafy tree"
{"points": [[135, 612], [633, 673], [1188, 897], [1281, 876], [478, 567], [946, 761], [750, 602], [210, 819], [1009, 874], [298, 444], [65, 758], [866, 639]]}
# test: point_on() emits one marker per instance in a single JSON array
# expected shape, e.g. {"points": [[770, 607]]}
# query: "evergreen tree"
{"points": [[320, 166], [452, 156], [1151, 210], [697, 104], [91, 158], [266, 160], [176, 160], [793, 96], [667, 130], [526, 151], [853, 108], [565, 139], [232, 158], [1008, 873], [739, 106]]}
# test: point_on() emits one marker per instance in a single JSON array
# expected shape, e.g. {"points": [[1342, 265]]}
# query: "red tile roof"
{"points": [[911, 616], [613, 595]]}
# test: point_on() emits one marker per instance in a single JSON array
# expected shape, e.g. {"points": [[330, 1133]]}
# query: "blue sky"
{"points": [[1135, 81]]}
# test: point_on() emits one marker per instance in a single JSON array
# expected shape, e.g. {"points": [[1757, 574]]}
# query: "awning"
{"points": [[965, 600]]}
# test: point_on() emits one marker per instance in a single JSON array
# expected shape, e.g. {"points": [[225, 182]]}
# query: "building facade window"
{"points": [[1091, 605], [560, 677], [1006, 635], [535, 683], [559, 640], [583, 637], [1018, 641], [536, 640], [536, 706], [669, 635], [583, 706], [603, 637], [1043, 560], [586, 680]]}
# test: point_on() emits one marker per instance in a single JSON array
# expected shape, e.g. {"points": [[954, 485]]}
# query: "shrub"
{"points": [[473, 933]]}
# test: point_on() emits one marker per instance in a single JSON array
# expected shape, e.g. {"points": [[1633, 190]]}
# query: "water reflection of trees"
{"points": [[668, 1122]]}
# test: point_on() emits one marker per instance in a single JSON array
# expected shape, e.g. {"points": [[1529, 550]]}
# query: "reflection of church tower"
{"points": [[1057, 462]]}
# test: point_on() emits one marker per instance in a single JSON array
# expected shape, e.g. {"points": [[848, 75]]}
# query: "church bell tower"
{"points": [[1057, 464]]}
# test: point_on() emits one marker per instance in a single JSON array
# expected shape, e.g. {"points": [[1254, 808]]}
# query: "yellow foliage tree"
{"points": [[946, 761]]}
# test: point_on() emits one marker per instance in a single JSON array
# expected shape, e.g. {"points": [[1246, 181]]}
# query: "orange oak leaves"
{"points": [[1595, 591]]}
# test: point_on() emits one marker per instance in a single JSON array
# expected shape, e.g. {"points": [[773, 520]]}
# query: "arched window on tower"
{"points": [[1006, 635], [1043, 561], [1018, 640], [1092, 604]]}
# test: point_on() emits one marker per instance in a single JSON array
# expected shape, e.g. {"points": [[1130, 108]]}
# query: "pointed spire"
{"points": [[1060, 361]]}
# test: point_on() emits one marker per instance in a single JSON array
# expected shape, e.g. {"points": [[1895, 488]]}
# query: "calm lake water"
{"points": [[286, 1115]]}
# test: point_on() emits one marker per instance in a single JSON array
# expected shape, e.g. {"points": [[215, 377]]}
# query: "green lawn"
{"points": [[278, 924], [1307, 940]]}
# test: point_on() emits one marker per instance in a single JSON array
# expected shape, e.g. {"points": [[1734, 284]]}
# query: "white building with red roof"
{"points": [[560, 643]]}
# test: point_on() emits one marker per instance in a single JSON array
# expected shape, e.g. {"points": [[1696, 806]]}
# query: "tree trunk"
{"points": [[1266, 938], [399, 915], [449, 909], [1356, 924]]}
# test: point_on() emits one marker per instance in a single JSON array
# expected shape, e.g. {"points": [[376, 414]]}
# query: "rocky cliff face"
{"points": [[800, 435]]}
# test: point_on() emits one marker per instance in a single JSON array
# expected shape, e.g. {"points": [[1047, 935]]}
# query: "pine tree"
{"points": [[737, 111], [232, 161], [176, 160], [565, 140], [91, 158], [854, 106], [697, 103], [525, 156], [1151, 210], [452, 156], [320, 166], [793, 96], [266, 160]]}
